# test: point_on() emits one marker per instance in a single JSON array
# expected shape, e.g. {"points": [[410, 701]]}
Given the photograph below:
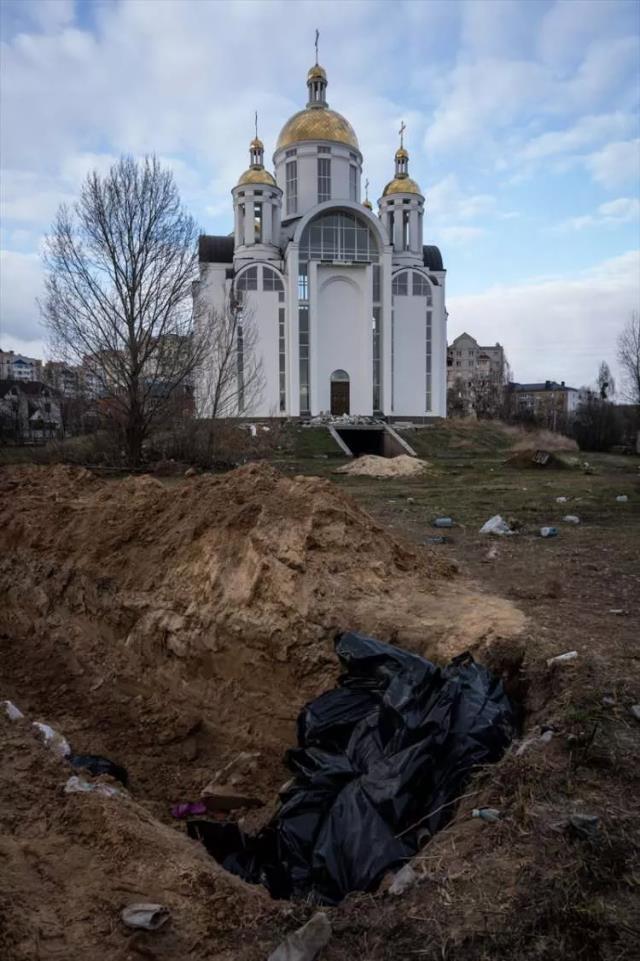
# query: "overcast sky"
{"points": [[522, 127]]}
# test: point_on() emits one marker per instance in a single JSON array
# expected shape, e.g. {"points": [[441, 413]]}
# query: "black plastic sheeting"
{"points": [[380, 761]]}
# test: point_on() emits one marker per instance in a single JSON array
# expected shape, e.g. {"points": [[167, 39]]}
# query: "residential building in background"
{"points": [[29, 411], [18, 367], [348, 305], [547, 402], [475, 377]]}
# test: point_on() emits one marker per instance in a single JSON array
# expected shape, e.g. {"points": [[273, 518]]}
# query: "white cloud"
{"points": [[585, 132], [22, 283], [610, 214], [616, 164], [460, 235], [558, 328], [446, 199]]}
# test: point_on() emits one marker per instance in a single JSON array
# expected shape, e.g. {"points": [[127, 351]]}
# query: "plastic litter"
{"points": [[622, 498], [635, 711], [561, 500], [97, 765], [438, 539], [548, 532], [305, 943], [584, 825], [12, 712], [380, 763], [53, 739], [496, 525], [561, 658], [78, 785], [571, 519], [486, 814], [144, 915], [443, 522]]}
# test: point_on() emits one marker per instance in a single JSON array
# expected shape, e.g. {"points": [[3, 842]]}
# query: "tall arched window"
{"points": [[339, 236]]}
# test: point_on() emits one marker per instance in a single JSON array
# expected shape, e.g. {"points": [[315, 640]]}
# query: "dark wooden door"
{"points": [[339, 397]]}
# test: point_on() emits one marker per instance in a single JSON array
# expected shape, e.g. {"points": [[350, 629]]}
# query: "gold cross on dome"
{"points": [[403, 127]]}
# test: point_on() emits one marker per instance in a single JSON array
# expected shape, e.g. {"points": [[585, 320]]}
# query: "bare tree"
{"points": [[120, 264], [629, 357], [230, 377], [606, 383]]}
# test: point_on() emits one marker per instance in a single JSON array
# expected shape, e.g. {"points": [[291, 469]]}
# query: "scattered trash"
{"points": [[496, 525], [57, 743], [486, 814], [547, 735], [571, 519], [619, 611], [404, 879], [438, 539], [561, 500], [189, 809], [190, 472], [220, 797], [12, 712], [635, 711], [97, 765], [380, 763], [410, 500], [491, 554], [608, 701], [305, 943], [584, 825], [144, 915], [548, 532], [443, 522], [622, 498], [561, 658], [78, 785]]}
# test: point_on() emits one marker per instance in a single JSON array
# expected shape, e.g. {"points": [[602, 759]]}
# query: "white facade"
{"points": [[347, 308]]}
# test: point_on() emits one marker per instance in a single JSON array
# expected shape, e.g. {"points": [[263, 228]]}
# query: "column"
{"points": [[414, 230], [397, 226], [249, 221]]}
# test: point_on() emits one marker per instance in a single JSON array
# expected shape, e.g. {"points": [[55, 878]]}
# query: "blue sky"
{"points": [[522, 126]]}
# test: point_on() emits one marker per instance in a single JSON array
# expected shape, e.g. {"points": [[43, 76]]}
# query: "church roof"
{"points": [[257, 175], [401, 185], [432, 258], [317, 123], [215, 250]]}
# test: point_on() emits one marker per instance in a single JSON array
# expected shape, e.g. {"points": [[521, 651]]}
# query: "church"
{"points": [[345, 308]]}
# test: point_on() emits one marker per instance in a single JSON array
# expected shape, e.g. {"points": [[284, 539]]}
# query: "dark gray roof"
{"points": [[34, 387], [215, 250], [432, 258], [544, 385]]}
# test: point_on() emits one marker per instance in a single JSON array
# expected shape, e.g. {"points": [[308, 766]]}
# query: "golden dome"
{"points": [[257, 175], [402, 185], [401, 154], [317, 123], [256, 144], [317, 73]]}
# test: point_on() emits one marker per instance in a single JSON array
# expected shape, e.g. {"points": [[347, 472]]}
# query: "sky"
{"points": [[522, 128]]}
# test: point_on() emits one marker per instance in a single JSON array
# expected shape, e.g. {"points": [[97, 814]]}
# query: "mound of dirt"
{"points": [[530, 458], [371, 465]]}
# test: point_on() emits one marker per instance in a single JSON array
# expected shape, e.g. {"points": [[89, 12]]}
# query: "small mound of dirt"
{"points": [[530, 458], [371, 465]]}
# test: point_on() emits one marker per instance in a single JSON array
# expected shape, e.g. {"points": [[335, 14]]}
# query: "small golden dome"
{"points": [[316, 123], [257, 175], [402, 185], [256, 144], [367, 203], [317, 73], [401, 154]]}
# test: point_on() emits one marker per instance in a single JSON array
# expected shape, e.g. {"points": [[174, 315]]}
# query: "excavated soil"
{"points": [[372, 465], [178, 630]]}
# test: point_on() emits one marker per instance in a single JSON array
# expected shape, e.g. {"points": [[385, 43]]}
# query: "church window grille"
{"points": [[390, 225], [353, 182], [324, 149], [271, 281], [428, 332], [338, 237], [422, 287], [248, 280], [324, 179], [303, 339], [292, 186], [400, 286], [376, 283]]}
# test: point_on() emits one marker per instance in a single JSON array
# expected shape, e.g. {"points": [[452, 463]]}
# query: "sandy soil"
{"points": [[371, 465]]}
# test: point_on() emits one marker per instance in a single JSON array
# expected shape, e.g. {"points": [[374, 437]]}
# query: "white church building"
{"points": [[347, 306]]}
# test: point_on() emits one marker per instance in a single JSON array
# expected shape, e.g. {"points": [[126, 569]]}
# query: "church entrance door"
{"points": [[340, 393]]}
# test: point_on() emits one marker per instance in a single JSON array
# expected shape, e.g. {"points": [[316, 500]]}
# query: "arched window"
{"points": [[338, 236]]}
